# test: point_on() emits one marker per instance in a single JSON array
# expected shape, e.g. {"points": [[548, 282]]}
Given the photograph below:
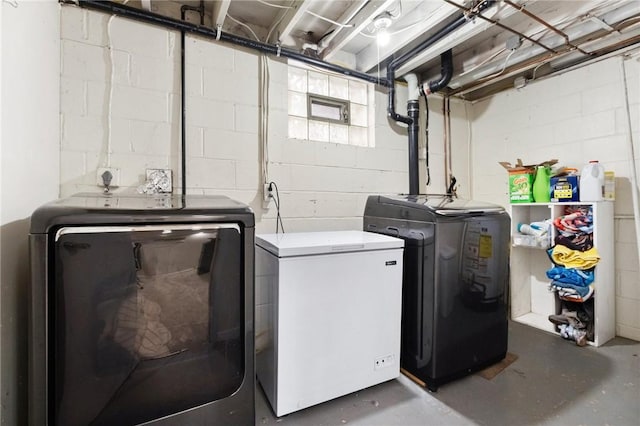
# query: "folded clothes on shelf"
{"points": [[570, 292], [575, 221], [579, 242], [564, 256], [571, 276]]}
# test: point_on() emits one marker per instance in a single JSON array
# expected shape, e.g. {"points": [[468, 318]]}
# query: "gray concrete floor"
{"points": [[553, 382]]}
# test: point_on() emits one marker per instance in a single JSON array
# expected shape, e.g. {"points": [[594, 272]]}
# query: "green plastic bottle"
{"points": [[541, 185]]}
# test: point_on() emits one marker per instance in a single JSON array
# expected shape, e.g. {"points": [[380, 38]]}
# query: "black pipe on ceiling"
{"points": [[276, 50], [446, 72], [391, 68], [413, 108], [458, 22]]}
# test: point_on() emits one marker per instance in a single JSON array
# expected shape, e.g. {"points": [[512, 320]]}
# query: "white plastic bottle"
{"points": [[592, 182], [525, 229]]}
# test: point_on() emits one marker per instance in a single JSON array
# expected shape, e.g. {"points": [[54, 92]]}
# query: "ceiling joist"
{"points": [[287, 21], [220, 9], [360, 22]]}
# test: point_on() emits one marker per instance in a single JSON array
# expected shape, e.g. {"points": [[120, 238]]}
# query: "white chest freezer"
{"points": [[328, 310]]}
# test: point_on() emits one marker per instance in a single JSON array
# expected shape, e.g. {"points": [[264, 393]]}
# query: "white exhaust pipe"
{"points": [[412, 82]]}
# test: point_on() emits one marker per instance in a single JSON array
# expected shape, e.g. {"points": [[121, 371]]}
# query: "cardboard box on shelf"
{"points": [[521, 178]]}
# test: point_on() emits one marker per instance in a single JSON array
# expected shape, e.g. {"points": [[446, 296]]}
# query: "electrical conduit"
{"points": [[632, 154]]}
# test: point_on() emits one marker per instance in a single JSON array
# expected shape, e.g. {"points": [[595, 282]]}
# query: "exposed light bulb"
{"points": [[381, 23], [383, 37]]}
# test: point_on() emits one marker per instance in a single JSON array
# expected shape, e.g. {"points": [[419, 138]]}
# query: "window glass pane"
{"points": [[324, 107], [318, 83], [298, 104], [338, 133], [338, 87], [318, 131], [332, 112], [297, 79], [358, 92], [359, 115], [297, 128]]}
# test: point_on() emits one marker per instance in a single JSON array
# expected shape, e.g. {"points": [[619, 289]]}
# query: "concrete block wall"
{"points": [[446, 157], [578, 116], [119, 99], [120, 108]]}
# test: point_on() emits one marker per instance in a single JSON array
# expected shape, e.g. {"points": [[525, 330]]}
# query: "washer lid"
{"points": [[308, 243], [122, 209], [439, 204]]}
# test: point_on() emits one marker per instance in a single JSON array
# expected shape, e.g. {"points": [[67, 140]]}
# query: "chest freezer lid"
{"points": [[309, 243]]}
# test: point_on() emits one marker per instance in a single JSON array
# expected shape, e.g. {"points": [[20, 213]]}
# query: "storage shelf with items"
{"points": [[532, 300]]}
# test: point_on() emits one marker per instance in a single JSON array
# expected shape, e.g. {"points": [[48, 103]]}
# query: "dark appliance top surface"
{"points": [[94, 208], [438, 204]]}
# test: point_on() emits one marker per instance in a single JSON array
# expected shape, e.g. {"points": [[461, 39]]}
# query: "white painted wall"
{"points": [[134, 124], [29, 172], [575, 117]]}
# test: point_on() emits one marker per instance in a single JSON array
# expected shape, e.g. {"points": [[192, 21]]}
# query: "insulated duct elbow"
{"points": [[446, 72]]}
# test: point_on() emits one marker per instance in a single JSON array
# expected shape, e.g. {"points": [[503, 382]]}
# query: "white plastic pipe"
{"points": [[632, 155], [412, 83]]}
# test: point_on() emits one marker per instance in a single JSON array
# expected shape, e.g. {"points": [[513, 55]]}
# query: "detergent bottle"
{"points": [[541, 185], [592, 182]]}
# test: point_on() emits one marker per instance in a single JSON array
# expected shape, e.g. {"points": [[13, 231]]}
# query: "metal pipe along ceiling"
{"points": [[413, 106], [185, 27], [460, 20], [557, 43], [175, 24]]}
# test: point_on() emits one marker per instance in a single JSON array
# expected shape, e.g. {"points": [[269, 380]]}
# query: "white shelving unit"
{"points": [[531, 301]]}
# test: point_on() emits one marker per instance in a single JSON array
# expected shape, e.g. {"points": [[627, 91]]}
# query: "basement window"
{"points": [[327, 107]]}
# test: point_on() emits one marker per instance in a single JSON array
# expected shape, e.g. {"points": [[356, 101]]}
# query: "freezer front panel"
{"points": [[331, 325]]}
